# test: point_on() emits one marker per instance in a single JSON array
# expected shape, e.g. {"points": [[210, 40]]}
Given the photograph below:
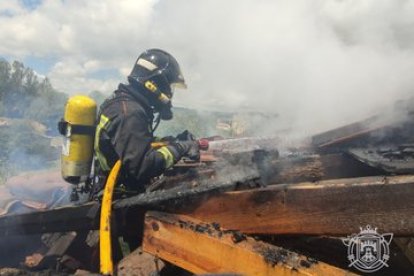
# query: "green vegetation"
{"points": [[201, 124], [29, 111], [24, 95], [204, 123]]}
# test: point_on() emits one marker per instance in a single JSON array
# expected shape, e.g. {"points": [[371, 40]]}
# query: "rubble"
{"points": [[286, 210]]}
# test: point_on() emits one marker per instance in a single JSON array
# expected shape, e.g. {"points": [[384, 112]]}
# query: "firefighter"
{"points": [[128, 118]]}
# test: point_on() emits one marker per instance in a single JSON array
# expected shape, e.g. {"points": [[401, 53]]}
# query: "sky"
{"points": [[315, 63]]}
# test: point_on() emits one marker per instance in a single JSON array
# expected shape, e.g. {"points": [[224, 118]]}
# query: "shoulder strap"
{"points": [[67, 129]]}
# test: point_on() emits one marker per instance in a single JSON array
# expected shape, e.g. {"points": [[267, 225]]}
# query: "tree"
{"points": [[47, 107], [31, 82], [25, 97], [15, 98], [17, 74], [5, 69]]}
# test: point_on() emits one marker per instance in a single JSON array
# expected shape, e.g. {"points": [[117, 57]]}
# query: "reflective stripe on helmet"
{"points": [[168, 156], [103, 123], [158, 66], [146, 64]]}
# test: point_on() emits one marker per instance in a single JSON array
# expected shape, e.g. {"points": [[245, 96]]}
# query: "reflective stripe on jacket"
{"points": [[124, 132]]}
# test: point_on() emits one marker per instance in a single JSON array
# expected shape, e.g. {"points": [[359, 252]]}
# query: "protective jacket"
{"points": [[125, 132]]}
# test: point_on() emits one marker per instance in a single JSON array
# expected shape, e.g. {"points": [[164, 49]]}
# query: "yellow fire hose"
{"points": [[105, 243]]}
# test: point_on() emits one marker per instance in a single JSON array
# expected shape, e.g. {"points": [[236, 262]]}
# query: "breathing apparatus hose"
{"points": [[105, 242]]}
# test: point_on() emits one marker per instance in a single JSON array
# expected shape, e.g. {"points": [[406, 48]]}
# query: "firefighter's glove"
{"points": [[185, 136], [168, 139], [189, 149]]}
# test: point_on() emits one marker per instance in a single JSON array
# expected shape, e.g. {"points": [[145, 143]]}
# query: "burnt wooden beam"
{"points": [[139, 263], [407, 246], [63, 219], [206, 248], [332, 207], [315, 167], [86, 216], [345, 133], [304, 167], [164, 199]]}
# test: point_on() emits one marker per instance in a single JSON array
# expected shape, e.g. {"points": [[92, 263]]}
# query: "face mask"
{"points": [[166, 112]]}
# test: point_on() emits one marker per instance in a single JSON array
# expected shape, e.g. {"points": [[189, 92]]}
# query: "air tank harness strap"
{"points": [[67, 129]]}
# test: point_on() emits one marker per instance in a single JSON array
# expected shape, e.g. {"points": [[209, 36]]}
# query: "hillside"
{"points": [[30, 108]]}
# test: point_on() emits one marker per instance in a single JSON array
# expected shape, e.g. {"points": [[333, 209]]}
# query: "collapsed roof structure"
{"points": [[250, 207]]}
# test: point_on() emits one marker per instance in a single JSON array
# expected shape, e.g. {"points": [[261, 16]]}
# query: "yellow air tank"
{"points": [[78, 129]]}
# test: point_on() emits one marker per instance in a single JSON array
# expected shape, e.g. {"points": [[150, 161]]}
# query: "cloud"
{"points": [[10, 8], [316, 63], [78, 34], [73, 76]]}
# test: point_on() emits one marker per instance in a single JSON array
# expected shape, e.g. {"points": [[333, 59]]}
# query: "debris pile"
{"points": [[247, 207]]}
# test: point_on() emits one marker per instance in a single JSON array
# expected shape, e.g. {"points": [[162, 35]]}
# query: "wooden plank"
{"points": [[63, 219], [407, 246], [332, 207], [85, 217], [314, 167], [160, 199], [205, 248], [345, 133], [139, 263]]}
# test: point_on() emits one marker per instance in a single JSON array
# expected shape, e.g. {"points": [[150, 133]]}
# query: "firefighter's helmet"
{"points": [[159, 72], [159, 67]]}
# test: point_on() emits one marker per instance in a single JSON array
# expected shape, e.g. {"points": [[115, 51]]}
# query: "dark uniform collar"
{"points": [[136, 93]]}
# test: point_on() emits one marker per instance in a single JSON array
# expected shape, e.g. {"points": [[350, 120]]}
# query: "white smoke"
{"points": [[316, 63]]}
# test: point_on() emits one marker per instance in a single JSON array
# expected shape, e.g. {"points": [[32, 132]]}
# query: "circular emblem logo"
{"points": [[368, 251]]}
